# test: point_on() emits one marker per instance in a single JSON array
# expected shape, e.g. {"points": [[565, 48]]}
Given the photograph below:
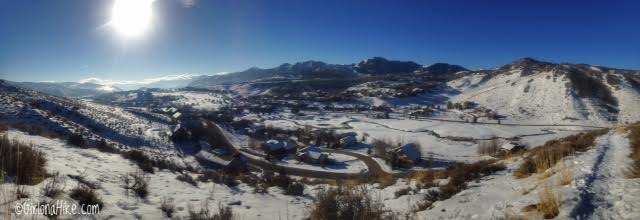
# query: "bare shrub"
{"points": [[459, 175], [381, 147], [22, 162], [81, 178], [425, 179], [546, 156], [346, 203], [218, 177], [402, 192], [281, 180], [103, 146], [137, 183], [168, 207], [633, 171], [224, 213], [142, 160], [525, 169], [185, 177], [489, 147], [566, 174], [549, 204], [295, 189], [86, 197], [76, 140], [21, 192], [54, 186], [3, 126]]}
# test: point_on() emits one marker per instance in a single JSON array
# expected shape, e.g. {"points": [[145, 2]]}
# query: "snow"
{"points": [[195, 99], [543, 98], [602, 191], [599, 190], [628, 103], [343, 163], [107, 169]]}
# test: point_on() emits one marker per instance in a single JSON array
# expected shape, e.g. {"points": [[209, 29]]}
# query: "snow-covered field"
{"points": [[197, 100], [343, 164], [440, 139]]}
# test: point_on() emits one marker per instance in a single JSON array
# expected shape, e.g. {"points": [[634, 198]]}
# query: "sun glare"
{"points": [[131, 18]]}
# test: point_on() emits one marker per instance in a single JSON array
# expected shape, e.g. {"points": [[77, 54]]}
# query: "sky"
{"points": [[70, 40]]}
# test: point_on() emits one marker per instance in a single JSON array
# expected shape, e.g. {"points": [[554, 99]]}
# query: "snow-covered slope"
{"points": [[553, 93], [107, 170], [598, 188], [39, 112]]}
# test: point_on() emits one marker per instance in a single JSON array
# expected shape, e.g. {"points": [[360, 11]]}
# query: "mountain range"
{"points": [[309, 70], [587, 81]]}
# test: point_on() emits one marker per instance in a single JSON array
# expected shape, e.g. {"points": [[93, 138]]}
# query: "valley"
{"points": [[417, 142]]}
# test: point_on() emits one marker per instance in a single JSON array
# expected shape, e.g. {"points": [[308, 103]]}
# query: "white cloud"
{"points": [[134, 84], [142, 82]]}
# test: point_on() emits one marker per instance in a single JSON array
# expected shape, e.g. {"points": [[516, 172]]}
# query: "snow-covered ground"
{"points": [[107, 170], [343, 164], [440, 139], [195, 99], [599, 189]]}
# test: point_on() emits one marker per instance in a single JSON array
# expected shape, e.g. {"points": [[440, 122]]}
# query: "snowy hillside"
{"points": [[549, 95]]}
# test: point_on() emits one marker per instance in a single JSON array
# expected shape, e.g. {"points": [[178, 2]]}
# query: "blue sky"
{"points": [[66, 40]]}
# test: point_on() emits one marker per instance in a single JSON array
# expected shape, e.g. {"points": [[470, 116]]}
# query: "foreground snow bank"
{"points": [[107, 169]]}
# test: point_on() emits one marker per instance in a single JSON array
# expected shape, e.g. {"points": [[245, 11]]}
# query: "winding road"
{"points": [[374, 168]]}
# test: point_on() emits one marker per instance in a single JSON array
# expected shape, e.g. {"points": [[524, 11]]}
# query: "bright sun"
{"points": [[131, 18]]}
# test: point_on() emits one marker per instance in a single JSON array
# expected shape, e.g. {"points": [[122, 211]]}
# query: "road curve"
{"points": [[374, 169]]}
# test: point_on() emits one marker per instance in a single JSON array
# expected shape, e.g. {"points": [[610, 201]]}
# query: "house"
{"points": [[426, 112], [313, 155], [279, 147]]}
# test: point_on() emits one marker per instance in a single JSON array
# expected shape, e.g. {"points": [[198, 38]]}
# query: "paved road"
{"points": [[373, 168]]}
